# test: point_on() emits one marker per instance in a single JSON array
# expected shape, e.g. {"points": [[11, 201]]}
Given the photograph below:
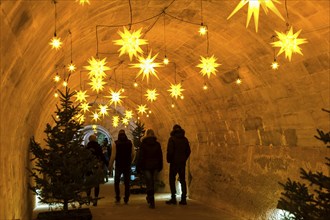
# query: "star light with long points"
{"points": [[97, 84], [95, 116], [97, 68], [55, 42], [254, 6], [103, 110], [289, 43], [176, 90], [130, 43], [151, 95], [125, 121], [81, 96], [115, 97], [208, 66], [147, 66], [142, 109], [85, 107], [128, 114], [71, 67], [80, 118]]}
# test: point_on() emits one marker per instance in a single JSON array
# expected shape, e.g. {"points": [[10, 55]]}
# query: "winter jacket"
{"points": [[178, 148], [150, 155], [96, 150], [124, 150]]}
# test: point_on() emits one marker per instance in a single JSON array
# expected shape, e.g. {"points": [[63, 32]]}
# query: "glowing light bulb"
{"points": [[275, 65], [56, 43], [55, 94], [71, 67], [57, 78], [202, 30], [238, 81], [65, 84], [166, 61], [135, 84], [172, 105], [205, 87]]}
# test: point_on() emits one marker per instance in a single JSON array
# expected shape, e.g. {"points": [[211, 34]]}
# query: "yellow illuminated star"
{"points": [[147, 66], [124, 121], [82, 2], [128, 114], [103, 110], [71, 67], [57, 78], [176, 90], [275, 65], [208, 65], [97, 68], [151, 95], [115, 121], [202, 30], [289, 43], [254, 6], [97, 84], [142, 109], [95, 116], [85, 107], [56, 43], [130, 43], [115, 97], [81, 96]]}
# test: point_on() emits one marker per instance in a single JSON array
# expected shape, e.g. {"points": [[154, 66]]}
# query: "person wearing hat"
{"points": [[123, 154], [178, 151]]}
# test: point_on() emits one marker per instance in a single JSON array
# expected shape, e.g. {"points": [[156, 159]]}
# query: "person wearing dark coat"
{"points": [[96, 150], [150, 162], [178, 151], [123, 154]]}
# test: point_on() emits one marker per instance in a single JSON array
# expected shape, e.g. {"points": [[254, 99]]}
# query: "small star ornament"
{"points": [[208, 66]]}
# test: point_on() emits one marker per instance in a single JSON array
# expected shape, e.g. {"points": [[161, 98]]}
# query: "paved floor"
{"points": [[137, 209]]}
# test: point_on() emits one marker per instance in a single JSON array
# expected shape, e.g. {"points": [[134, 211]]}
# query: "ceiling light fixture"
{"points": [[55, 42]]}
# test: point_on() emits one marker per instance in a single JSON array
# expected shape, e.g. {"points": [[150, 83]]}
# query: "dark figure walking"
{"points": [[122, 153], [178, 151], [150, 162], [96, 150]]}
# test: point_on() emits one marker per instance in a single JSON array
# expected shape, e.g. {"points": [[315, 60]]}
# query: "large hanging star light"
{"points": [[289, 43], [142, 109], [97, 68], [81, 96], [85, 107], [147, 66], [103, 110], [128, 114], [115, 97], [130, 43], [176, 90], [254, 6], [208, 65], [97, 84], [151, 95], [55, 42]]}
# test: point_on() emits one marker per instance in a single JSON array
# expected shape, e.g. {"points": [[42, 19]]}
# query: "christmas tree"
{"points": [[137, 133], [312, 201], [64, 169]]}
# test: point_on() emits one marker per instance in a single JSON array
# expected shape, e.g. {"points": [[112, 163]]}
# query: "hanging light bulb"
{"points": [[166, 61], [172, 105], [71, 67], [238, 81], [275, 65], [65, 83], [57, 78], [205, 86], [202, 29], [135, 84], [55, 94], [55, 42], [182, 97]]}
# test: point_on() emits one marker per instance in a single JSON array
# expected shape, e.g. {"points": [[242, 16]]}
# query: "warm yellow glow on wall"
{"points": [[130, 43], [176, 90], [208, 66], [254, 7], [289, 43], [147, 66], [151, 95]]}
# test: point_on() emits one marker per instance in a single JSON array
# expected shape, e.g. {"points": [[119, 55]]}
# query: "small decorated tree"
{"points": [[312, 201], [64, 169]]}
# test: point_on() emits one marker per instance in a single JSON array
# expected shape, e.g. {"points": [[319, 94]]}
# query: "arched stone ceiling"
{"points": [[226, 124]]}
